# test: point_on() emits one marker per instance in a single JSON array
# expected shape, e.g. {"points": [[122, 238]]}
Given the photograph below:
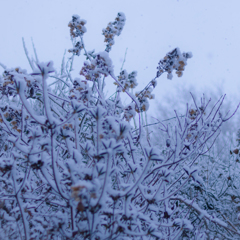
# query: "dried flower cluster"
{"points": [[72, 166], [143, 97], [77, 29], [174, 60], [127, 80], [93, 69], [113, 29], [81, 91]]}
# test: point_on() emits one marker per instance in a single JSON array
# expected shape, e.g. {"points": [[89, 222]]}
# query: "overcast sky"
{"points": [[207, 28]]}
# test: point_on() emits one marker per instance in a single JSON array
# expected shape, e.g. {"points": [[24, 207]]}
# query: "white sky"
{"points": [[207, 28]]}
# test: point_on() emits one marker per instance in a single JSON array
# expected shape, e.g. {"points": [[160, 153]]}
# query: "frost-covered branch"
{"points": [[72, 166]]}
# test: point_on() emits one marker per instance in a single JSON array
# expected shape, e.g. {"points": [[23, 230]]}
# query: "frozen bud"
{"points": [[154, 83], [187, 55], [168, 142], [236, 151]]}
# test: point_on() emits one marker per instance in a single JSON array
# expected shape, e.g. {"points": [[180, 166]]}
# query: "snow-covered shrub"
{"points": [[219, 168], [74, 167]]}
